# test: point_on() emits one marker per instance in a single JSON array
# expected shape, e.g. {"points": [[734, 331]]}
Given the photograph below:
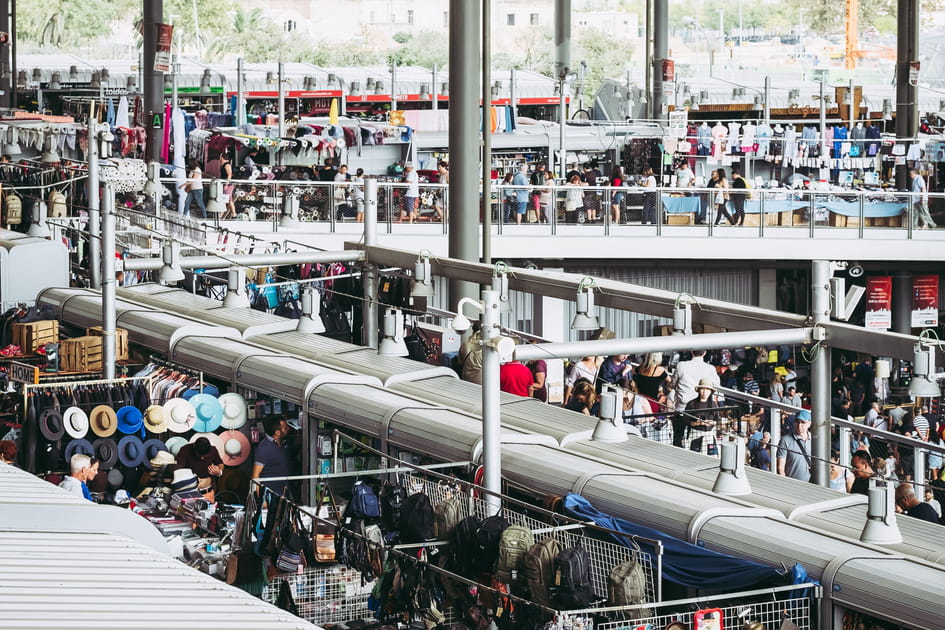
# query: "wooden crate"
{"points": [[121, 341], [81, 354], [34, 334]]}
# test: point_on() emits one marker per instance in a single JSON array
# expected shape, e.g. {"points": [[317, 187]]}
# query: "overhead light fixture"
{"points": [[887, 109], [732, 479], [332, 77], [37, 74], [924, 382], [214, 205], [694, 102], [370, 83], [205, 80], [378, 87], [168, 81], [881, 368], [270, 77], [290, 212], [425, 91], [38, 227], [96, 81], [311, 319], [22, 78], [881, 527], [610, 423], [941, 106], [54, 81], [500, 284], [131, 82], [757, 100], [236, 289], [444, 89], [848, 97], [682, 314], [105, 74], [73, 73], [171, 271], [393, 342], [355, 88], [585, 318], [422, 277], [50, 155], [153, 185]]}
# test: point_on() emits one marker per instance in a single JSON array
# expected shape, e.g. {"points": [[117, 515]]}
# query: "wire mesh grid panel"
{"points": [[604, 556], [766, 610], [330, 594]]}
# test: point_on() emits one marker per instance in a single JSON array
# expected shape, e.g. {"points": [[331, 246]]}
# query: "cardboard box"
{"points": [[81, 354], [35, 334], [679, 219], [121, 341]]}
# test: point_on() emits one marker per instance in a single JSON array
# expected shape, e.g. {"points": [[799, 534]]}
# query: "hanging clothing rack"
{"points": [[176, 367], [77, 382]]}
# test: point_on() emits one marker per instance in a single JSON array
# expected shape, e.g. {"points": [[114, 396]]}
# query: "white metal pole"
{"points": [[491, 409], [95, 218], [369, 314], [393, 85], [436, 90], [820, 377], [108, 281], [175, 71], [240, 88]]}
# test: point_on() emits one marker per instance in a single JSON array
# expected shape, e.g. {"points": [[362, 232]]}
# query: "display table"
{"points": [[876, 214], [680, 210]]}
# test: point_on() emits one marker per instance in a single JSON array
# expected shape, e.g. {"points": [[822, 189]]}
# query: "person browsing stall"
{"points": [[83, 468], [271, 458], [201, 457]]}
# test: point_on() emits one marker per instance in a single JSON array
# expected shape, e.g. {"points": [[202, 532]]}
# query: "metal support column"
{"points": [[487, 132], [823, 127], [175, 70], [820, 377], [95, 217], [281, 78], [108, 281], [907, 51], [491, 409], [767, 110], [369, 316], [464, 140], [153, 87], [435, 89], [240, 96], [660, 53], [562, 36]]}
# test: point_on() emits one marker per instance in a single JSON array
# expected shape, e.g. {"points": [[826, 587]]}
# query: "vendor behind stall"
{"points": [[202, 458]]}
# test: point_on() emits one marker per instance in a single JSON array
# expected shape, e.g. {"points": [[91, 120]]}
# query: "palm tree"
{"points": [[247, 26]]}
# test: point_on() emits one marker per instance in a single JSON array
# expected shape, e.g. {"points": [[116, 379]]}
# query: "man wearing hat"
{"points": [[794, 449], [83, 468], [202, 458], [701, 415]]}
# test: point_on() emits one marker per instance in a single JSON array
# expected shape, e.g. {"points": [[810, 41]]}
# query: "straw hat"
{"points": [[106, 452], [215, 441], [130, 451], [152, 449], [103, 421], [181, 415], [155, 419], [234, 410], [76, 422], [162, 459], [706, 384], [174, 444], [236, 448], [209, 413], [50, 424]]}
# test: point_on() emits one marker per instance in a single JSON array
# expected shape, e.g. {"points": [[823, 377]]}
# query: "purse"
{"points": [[324, 533], [291, 558]]}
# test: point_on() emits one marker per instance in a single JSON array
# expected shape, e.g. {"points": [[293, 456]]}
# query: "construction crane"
{"points": [[852, 51]]}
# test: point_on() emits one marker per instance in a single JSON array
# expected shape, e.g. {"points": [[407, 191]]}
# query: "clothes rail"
{"points": [[28, 387]]}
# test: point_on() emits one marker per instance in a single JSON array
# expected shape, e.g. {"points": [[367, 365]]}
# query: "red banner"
{"points": [[925, 301], [162, 52], [879, 302]]}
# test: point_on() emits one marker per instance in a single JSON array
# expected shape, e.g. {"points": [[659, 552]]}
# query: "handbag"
{"points": [[324, 533], [290, 557]]}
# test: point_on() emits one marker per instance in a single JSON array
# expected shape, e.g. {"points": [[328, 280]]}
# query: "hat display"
{"points": [[152, 448], [106, 452], [103, 421], [706, 383], [130, 451], [209, 413], [76, 422], [50, 424], [155, 419], [181, 415], [78, 446], [115, 478], [234, 410], [160, 460], [215, 441], [174, 443], [236, 448], [184, 480], [130, 419], [803, 415]]}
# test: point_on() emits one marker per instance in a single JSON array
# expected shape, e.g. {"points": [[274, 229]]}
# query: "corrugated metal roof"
{"points": [[100, 580]]}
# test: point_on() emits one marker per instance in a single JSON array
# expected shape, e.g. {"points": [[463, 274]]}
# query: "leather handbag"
{"points": [[324, 529]]}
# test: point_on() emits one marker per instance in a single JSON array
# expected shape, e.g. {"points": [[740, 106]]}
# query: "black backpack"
{"points": [[416, 519], [573, 578], [487, 542], [393, 497], [464, 545]]}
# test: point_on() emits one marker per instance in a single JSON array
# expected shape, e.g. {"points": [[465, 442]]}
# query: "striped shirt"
{"points": [[920, 427]]}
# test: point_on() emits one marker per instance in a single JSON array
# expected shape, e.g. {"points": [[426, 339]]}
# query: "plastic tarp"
{"points": [[686, 564]]}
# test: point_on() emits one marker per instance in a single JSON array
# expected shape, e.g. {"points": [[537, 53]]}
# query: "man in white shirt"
{"points": [[412, 194], [684, 176], [684, 381], [83, 470], [920, 202]]}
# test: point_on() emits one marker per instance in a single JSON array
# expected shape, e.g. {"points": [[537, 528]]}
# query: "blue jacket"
{"points": [[521, 194]]}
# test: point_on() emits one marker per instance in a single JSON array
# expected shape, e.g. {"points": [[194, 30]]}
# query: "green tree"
{"points": [[248, 32], [68, 23], [423, 48], [605, 57]]}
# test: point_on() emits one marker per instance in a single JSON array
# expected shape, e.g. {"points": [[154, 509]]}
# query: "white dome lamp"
{"points": [[38, 227], [311, 320], [236, 289], [610, 425], [585, 318], [171, 271], [393, 342], [50, 155], [732, 479], [924, 381], [214, 205], [881, 527], [422, 277], [290, 212]]}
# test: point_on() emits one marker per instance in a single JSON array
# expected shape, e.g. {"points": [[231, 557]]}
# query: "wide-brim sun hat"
{"points": [[76, 422], [106, 452], [153, 448], [215, 441], [234, 410], [103, 421], [180, 415], [130, 451], [81, 445], [184, 480], [174, 444], [236, 448], [50, 424], [155, 419], [160, 460], [706, 384], [130, 420], [209, 413]]}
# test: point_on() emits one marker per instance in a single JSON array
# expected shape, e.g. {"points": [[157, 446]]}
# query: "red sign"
{"points": [[162, 52], [879, 302], [669, 70], [925, 301], [541, 100]]}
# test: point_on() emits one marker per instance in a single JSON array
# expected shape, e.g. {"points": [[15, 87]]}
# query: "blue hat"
{"points": [[79, 446], [803, 415], [130, 451], [151, 448], [209, 413], [130, 420]]}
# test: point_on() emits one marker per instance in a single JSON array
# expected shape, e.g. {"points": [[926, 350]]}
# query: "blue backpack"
{"points": [[364, 503]]}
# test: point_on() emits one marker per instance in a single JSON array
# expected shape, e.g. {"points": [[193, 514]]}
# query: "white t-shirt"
{"points": [[684, 177], [413, 181]]}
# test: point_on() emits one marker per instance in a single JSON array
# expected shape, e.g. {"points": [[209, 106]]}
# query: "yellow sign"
{"points": [[396, 117]]}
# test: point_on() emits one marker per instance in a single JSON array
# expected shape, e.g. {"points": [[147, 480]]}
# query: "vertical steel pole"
{"points": [[175, 69], [393, 85], [907, 48], [369, 280], [281, 78], [108, 281], [464, 140], [823, 127], [240, 88], [435, 88], [562, 36], [486, 131], [820, 377], [660, 53], [153, 86], [562, 118], [491, 409], [95, 218], [767, 113]]}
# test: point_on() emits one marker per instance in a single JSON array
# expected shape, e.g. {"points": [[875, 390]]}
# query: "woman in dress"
{"points": [[721, 199], [585, 369]]}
